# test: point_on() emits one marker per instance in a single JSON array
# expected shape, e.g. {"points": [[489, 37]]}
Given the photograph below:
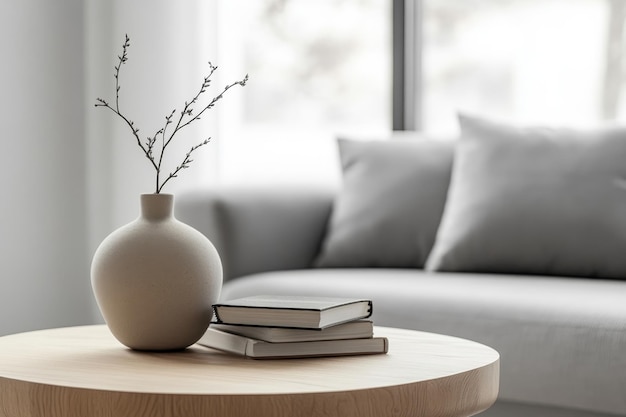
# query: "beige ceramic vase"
{"points": [[156, 279]]}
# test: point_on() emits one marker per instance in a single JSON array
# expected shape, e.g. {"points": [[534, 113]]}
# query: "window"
{"points": [[317, 69], [326, 67], [531, 61]]}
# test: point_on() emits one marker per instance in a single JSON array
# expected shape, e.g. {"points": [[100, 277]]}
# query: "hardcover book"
{"points": [[358, 329], [292, 311], [258, 349]]}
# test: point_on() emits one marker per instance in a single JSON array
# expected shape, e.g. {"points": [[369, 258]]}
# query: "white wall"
{"points": [[44, 275], [71, 173]]}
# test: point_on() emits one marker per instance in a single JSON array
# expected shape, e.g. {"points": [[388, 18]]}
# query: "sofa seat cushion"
{"points": [[562, 340]]}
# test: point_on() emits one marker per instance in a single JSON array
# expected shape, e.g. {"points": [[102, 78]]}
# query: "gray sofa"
{"points": [[561, 337]]}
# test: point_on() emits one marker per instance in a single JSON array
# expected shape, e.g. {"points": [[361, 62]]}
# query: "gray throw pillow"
{"points": [[389, 207], [535, 201]]}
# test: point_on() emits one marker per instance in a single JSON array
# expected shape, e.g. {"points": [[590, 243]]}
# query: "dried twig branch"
{"points": [[185, 118]]}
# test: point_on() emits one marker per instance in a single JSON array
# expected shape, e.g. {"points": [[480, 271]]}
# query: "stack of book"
{"points": [[293, 327]]}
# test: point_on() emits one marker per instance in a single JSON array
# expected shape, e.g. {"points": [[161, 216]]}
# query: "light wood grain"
{"points": [[85, 372]]}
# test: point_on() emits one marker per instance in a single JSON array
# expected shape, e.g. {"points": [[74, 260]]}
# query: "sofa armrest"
{"points": [[258, 230]]}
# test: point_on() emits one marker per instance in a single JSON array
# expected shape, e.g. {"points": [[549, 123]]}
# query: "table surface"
{"points": [[84, 372]]}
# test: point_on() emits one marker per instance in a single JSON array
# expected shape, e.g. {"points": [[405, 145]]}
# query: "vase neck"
{"points": [[157, 206]]}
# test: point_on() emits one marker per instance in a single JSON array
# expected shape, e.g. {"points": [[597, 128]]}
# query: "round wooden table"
{"points": [[84, 372]]}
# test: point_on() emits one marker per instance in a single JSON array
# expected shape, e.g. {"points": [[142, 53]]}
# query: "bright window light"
{"points": [[531, 61], [317, 69]]}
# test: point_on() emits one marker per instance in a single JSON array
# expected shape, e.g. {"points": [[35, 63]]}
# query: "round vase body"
{"points": [[156, 279]]}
